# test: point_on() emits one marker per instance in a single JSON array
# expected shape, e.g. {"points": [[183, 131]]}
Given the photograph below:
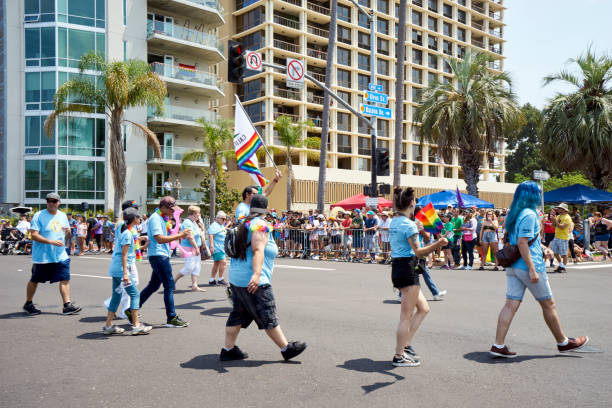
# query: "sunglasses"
{"points": [[52, 200]]}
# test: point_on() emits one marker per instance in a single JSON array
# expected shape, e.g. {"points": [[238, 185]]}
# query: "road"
{"points": [[345, 312]]}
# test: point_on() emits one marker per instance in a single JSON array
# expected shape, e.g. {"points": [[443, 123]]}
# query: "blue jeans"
{"points": [[430, 283], [456, 250], [116, 298], [162, 275]]}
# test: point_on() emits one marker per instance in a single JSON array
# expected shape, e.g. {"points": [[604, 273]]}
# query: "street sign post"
{"points": [[376, 97], [376, 111], [541, 175], [375, 87], [253, 61], [295, 73]]}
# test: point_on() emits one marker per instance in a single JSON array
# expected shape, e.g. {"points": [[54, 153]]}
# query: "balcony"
{"points": [[478, 8], [287, 94], [175, 39], [209, 12], [318, 8], [317, 31], [497, 50], [186, 196], [311, 52], [496, 32], [285, 46], [478, 25], [183, 79], [286, 22], [294, 118], [316, 99], [478, 43], [495, 16], [175, 117], [317, 121], [319, 77]]}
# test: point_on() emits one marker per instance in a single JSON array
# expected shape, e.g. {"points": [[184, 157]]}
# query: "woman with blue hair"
{"points": [[529, 272]]}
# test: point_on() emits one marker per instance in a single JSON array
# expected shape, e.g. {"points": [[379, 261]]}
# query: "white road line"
{"points": [[303, 267], [591, 266], [90, 276]]}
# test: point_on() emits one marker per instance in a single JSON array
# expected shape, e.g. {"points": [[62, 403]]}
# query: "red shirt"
{"points": [[346, 223], [548, 227]]}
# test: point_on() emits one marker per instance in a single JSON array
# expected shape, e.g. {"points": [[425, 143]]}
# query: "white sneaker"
{"points": [[112, 330], [440, 295], [315, 257], [141, 329]]}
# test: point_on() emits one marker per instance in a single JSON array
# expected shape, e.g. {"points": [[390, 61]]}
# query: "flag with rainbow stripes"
{"points": [[246, 144]]}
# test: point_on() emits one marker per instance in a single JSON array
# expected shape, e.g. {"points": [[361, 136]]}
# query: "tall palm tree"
{"points": [[400, 54], [291, 137], [216, 142], [577, 130], [471, 117], [329, 71], [119, 86]]}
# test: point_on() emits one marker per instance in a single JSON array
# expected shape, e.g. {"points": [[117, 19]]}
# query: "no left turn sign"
{"points": [[295, 73], [253, 61]]}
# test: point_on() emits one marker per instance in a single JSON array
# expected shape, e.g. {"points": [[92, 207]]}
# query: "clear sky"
{"points": [[541, 35]]}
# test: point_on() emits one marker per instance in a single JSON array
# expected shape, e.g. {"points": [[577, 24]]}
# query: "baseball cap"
{"points": [[259, 204], [99, 216], [52, 196], [128, 204], [169, 202], [370, 212], [130, 211]]}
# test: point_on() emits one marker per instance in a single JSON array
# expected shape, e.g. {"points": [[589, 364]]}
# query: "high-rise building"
{"points": [[436, 29], [42, 43]]}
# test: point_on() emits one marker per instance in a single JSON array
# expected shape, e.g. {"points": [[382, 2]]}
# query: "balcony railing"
{"points": [[214, 4], [277, 115], [294, 2], [478, 43], [418, 3], [182, 33], [317, 76], [287, 94], [497, 50], [316, 99], [185, 194], [283, 45], [182, 113], [495, 16], [287, 22], [185, 74], [478, 8], [318, 9], [317, 31], [317, 121], [496, 33], [478, 25], [311, 52]]}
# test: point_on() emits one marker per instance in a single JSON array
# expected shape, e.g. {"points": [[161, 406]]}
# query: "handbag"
{"points": [[204, 251], [509, 254]]}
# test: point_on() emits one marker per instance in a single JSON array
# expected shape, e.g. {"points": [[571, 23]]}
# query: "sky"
{"points": [[541, 35]]}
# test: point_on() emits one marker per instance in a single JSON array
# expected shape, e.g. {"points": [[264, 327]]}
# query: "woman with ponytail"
{"points": [[405, 268]]}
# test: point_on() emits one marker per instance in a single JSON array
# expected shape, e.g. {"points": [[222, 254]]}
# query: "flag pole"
{"points": [[238, 103]]}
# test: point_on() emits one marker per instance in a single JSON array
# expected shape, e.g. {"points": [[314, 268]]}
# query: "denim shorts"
{"points": [[259, 306], [559, 246], [369, 243], [52, 272], [489, 236], [517, 280]]}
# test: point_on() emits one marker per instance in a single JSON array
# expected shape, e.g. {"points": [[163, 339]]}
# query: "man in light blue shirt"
{"points": [[50, 230], [244, 208]]}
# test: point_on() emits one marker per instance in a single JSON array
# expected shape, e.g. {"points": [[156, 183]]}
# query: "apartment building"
{"points": [[43, 41], [436, 29]]}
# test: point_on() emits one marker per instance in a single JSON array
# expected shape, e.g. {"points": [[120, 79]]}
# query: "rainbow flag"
{"points": [[246, 143], [187, 70], [430, 220]]}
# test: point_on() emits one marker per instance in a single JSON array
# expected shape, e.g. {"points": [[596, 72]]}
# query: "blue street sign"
{"points": [[375, 88], [375, 111], [376, 97]]}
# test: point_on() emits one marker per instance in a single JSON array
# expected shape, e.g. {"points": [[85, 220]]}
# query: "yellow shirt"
{"points": [[563, 233]]}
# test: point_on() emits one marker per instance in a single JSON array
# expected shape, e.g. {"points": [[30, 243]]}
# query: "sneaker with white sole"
{"points": [[573, 344], [107, 331], [141, 329], [440, 295], [502, 352], [176, 322], [405, 361]]}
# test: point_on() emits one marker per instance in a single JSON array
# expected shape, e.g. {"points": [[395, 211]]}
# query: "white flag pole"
{"points": [[238, 103]]}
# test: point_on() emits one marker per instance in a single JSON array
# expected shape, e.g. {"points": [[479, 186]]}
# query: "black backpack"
{"points": [[230, 242]]}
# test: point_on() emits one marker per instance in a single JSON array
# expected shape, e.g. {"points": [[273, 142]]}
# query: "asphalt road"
{"points": [[345, 312]]}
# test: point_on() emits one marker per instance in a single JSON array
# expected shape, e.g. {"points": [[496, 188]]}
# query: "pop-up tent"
{"points": [[359, 201], [577, 194], [442, 199]]}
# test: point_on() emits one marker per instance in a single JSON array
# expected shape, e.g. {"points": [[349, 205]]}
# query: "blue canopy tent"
{"points": [[577, 194], [442, 199]]}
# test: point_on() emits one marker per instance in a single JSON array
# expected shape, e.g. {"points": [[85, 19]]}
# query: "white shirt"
{"points": [[384, 233], [144, 226], [168, 185], [23, 226]]}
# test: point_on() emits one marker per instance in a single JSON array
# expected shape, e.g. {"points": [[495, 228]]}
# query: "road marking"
{"points": [[90, 276], [592, 266], [303, 267]]}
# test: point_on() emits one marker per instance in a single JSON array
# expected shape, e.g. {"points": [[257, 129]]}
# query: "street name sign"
{"points": [[371, 202], [375, 88], [375, 111], [376, 97], [541, 175]]}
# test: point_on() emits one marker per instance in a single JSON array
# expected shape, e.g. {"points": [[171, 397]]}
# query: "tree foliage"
{"points": [[226, 199]]}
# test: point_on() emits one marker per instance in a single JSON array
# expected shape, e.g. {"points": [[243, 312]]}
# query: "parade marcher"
{"points": [[560, 244], [216, 234], [250, 274], [457, 221], [127, 251], [159, 257], [528, 272], [405, 254], [242, 210], [50, 262], [468, 231], [192, 245]]}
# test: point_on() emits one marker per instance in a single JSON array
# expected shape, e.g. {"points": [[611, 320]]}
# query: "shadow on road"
{"points": [[97, 335], [93, 319], [15, 315], [194, 305], [485, 358], [366, 365], [212, 362], [392, 302], [217, 311]]}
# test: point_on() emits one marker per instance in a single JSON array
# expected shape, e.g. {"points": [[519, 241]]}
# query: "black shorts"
{"points": [[404, 273], [52, 272], [259, 306]]}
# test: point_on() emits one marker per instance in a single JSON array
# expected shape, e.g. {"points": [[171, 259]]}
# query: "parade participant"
{"points": [[159, 257], [192, 245], [82, 235], [73, 233], [126, 253], [457, 221], [468, 231], [448, 233], [560, 243], [250, 274], [488, 238], [528, 272], [601, 228], [216, 235], [242, 211], [405, 251], [50, 262]]}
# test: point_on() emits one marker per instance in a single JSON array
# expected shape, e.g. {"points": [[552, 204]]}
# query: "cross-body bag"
{"points": [[509, 254]]}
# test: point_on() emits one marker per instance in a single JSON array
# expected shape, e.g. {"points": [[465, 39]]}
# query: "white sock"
{"points": [[497, 346], [561, 264], [564, 342], [226, 349], [284, 348]]}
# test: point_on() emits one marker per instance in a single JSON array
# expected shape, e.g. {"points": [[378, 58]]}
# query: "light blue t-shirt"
{"points": [[240, 271], [218, 232], [527, 225], [242, 211], [195, 233], [400, 229], [116, 265], [157, 226], [51, 227]]}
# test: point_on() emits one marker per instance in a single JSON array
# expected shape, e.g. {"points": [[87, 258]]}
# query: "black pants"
{"points": [[571, 248], [456, 251], [467, 249]]}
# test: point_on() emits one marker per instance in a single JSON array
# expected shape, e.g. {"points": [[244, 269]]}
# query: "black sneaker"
{"points": [[212, 282], [222, 282], [405, 361], [562, 270], [233, 354], [128, 313], [294, 348], [70, 309], [410, 351], [176, 322], [30, 309]]}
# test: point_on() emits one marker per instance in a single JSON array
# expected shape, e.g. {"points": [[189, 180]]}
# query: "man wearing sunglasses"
{"points": [[49, 229]]}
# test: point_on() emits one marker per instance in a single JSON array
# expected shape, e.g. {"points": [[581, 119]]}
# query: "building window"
{"points": [[382, 26], [417, 76], [461, 34], [363, 40], [40, 89], [382, 66], [417, 37], [382, 128], [417, 18], [124, 12], [447, 67], [432, 61], [344, 56], [433, 171], [345, 96], [343, 77], [344, 34], [461, 16], [416, 94], [431, 78], [256, 111], [363, 62], [363, 164], [448, 172], [40, 47], [432, 5], [432, 43], [344, 13], [250, 19], [382, 46], [383, 6], [39, 11], [417, 57], [363, 146], [254, 41], [362, 82], [344, 143], [363, 20], [432, 24], [343, 121], [36, 137], [89, 13], [447, 10], [73, 44], [385, 85], [447, 29], [447, 47], [81, 136], [460, 51]]}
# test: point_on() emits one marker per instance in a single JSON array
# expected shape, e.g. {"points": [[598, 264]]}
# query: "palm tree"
{"points": [[577, 130], [217, 138], [329, 71], [118, 86], [472, 117], [400, 53], [291, 137]]}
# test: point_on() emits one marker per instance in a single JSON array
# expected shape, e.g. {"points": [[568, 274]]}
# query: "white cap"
{"points": [[221, 214]]}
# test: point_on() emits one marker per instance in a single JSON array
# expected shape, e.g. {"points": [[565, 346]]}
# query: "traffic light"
{"points": [[235, 62], [382, 161]]}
